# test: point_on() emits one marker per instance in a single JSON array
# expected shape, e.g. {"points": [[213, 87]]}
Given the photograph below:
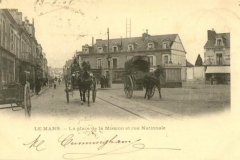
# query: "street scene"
{"points": [[122, 79], [146, 76], [192, 100]]}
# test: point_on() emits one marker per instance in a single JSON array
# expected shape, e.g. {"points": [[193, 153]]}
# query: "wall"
{"points": [[199, 74], [190, 73]]}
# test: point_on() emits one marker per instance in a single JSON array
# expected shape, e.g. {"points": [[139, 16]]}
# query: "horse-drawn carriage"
{"points": [[14, 93], [82, 79], [137, 71]]}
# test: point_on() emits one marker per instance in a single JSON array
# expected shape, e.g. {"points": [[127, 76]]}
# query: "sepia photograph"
{"points": [[121, 79]]}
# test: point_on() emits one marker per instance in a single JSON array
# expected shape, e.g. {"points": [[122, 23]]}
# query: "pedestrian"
{"points": [[212, 78], [102, 82], [37, 85], [59, 81], [107, 81], [54, 85]]}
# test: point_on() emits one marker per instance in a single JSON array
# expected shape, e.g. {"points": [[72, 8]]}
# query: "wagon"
{"points": [[71, 74], [136, 69], [14, 93]]}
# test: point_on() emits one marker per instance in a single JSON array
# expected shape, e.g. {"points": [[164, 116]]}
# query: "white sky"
{"points": [[59, 30]]}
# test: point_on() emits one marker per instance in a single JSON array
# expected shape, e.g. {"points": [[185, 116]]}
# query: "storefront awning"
{"points": [[218, 69]]}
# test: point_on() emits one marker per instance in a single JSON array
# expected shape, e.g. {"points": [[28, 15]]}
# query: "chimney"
{"points": [[145, 35], [211, 34], [92, 41]]}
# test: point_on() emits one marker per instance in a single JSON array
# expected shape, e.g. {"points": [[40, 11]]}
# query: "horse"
{"points": [[85, 83], [153, 80]]}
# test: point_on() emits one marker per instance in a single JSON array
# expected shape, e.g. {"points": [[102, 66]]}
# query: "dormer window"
{"points": [[151, 45], [114, 48], [165, 45], [100, 50], [130, 47], [86, 50], [219, 42]]}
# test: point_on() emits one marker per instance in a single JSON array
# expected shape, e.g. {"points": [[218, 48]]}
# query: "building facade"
{"points": [[161, 49], [217, 57], [19, 51]]}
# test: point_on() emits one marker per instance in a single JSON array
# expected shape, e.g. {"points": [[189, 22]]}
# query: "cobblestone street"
{"points": [[112, 104]]}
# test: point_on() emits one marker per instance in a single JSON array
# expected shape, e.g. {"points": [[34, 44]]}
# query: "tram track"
{"points": [[122, 108], [151, 110]]}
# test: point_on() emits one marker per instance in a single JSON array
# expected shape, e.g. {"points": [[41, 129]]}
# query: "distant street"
{"points": [[111, 104]]}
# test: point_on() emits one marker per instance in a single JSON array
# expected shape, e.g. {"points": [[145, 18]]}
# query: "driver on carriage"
{"points": [[87, 73]]}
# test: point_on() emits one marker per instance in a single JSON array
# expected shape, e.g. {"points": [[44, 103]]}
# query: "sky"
{"points": [[63, 26]]}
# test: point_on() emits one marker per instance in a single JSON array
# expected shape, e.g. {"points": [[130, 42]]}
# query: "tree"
{"points": [[199, 61]]}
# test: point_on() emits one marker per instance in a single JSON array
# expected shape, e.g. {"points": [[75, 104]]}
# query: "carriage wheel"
{"points": [[128, 87], [94, 91], [27, 101]]}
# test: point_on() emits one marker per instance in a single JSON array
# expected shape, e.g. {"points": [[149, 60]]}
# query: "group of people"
{"points": [[104, 81]]}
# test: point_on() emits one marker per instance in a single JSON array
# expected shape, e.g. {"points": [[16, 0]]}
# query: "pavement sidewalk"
{"points": [[42, 90]]}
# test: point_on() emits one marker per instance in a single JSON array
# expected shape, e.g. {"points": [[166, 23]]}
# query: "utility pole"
{"points": [[108, 38], [109, 63]]}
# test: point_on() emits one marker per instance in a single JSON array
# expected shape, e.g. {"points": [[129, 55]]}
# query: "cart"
{"points": [[15, 93], [71, 76], [135, 71]]}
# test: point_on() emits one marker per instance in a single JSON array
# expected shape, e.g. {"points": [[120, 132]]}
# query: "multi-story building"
{"points": [[217, 56], [161, 49], [19, 49], [9, 46]]}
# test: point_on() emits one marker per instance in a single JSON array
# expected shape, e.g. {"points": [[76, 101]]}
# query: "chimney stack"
{"points": [[211, 34]]}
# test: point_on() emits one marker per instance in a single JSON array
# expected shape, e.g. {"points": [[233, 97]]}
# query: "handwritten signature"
{"points": [[128, 147]]}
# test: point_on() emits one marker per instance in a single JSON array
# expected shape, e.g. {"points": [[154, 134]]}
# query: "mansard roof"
{"points": [[140, 42]]}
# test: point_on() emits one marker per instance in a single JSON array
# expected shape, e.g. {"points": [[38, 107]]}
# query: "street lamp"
{"points": [[109, 72]]}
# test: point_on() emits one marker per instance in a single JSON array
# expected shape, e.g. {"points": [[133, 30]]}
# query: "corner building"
{"points": [[162, 50]]}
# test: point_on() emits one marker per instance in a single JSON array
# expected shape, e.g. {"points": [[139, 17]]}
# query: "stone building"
{"points": [[161, 49], [19, 49], [217, 57]]}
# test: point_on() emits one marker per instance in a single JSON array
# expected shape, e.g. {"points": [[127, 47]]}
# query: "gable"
{"points": [[177, 44]]}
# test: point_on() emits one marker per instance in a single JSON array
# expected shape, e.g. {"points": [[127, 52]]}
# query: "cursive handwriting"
{"points": [[69, 140], [36, 144], [129, 148], [124, 147]]}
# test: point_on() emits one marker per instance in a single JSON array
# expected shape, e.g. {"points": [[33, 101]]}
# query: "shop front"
{"points": [[218, 74]]}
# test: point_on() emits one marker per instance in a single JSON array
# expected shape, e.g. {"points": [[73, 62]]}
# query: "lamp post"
{"points": [[109, 71]]}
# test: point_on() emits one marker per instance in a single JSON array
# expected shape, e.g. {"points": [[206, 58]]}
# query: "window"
{"points": [[219, 59], [219, 41], [165, 44], [130, 47], [114, 49], [86, 50], [100, 50], [11, 41], [3, 31], [152, 60], [150, 46], [99, 63], [165, 59], [115, 63]]}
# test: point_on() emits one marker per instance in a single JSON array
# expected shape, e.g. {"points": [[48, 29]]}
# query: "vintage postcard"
{"points": [[120, 79]]}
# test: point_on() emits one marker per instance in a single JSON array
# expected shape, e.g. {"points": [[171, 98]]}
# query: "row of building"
{"points": [[20, 52], [162, 50]]}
